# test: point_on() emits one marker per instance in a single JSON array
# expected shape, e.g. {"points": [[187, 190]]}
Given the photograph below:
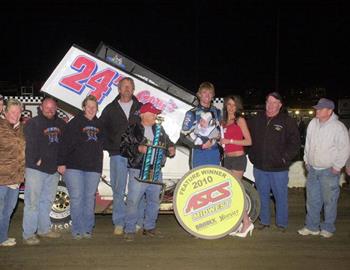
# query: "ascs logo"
{"points": [[207, 198], [209, 202]]}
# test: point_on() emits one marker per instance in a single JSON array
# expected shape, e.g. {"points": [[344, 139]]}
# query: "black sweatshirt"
{"points": [[43, 137], [82, 145]]}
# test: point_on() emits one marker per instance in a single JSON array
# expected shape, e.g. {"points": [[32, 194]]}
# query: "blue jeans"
{"points": [[322, 190], [205, 157], [8, 201], [119, 175], [277, 182], [136, 192], [141, 211], [39, 194], [82, 187]]}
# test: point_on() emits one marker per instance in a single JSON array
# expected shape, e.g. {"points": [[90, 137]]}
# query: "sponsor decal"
{"points": [[209, 202], [187, 121], [278, 127], [52, 133], [91, 133], [168, 106]]}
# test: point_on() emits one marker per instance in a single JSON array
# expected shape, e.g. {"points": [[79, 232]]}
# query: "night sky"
{"points": [[230, 43]]}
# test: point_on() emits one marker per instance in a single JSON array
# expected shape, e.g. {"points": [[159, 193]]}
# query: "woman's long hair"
{"points": [[239, 108]]}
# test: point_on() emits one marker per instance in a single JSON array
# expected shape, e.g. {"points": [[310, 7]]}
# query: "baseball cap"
{"points": [[324, 103], [148, 107], [276, 95]]}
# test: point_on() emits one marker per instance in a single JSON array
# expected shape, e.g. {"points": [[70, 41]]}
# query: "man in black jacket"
{"points": [[43, 136], [275, 142], [116, 117]]}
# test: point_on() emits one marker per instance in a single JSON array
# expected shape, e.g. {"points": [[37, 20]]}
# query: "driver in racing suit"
{"points": [[208, 152]]}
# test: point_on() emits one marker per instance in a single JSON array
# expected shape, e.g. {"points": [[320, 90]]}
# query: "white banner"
{"points": [[80, 74]]}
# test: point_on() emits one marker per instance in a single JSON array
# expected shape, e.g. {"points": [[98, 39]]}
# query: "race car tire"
{"points": [[60, 210], [253, 200]]}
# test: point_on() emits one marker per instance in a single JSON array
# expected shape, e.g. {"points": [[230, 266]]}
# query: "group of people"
{"points": [[47, 146], [271, 140]]}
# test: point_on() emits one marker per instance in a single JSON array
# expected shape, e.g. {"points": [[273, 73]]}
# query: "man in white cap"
{"points": [[325, 154]]}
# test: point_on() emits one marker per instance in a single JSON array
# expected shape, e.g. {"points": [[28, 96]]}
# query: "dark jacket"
{"points": [[133, 137], [12, 147], [82, 145], [43, 137], [115, 123], [275, 141]]}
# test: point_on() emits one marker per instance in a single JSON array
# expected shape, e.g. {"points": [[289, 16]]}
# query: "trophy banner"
{"points": [[209, 202]]}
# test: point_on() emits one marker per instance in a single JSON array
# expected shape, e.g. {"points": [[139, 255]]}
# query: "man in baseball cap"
{"points": [[324, 103], [276, 95], [325, 154], [135, 144], [275, 143], [149, 107]]}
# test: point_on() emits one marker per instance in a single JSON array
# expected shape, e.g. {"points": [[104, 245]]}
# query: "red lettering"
{"points": [[206, 197], [143, 96], [76, 82], [86, 76], [101, 82]]}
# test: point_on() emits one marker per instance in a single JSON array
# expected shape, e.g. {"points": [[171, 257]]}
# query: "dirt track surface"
{"points": [[178, 250]]}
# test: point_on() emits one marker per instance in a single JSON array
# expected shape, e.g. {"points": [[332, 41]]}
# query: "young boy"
{"points": [[133, 147]]}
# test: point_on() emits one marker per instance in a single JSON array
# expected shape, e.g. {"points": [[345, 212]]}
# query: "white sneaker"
{"points": [[326, 234], [118, 230], [138, 229], [305, 231], [10, 242]]}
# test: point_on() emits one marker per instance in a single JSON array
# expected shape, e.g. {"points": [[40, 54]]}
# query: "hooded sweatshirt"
{"points": [[82, 145], [327, 144], [43, 137]]}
